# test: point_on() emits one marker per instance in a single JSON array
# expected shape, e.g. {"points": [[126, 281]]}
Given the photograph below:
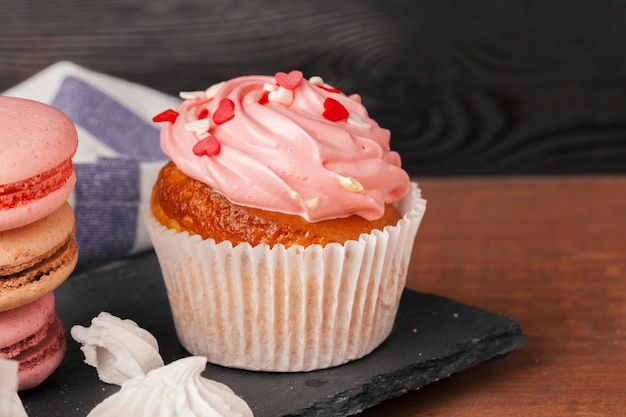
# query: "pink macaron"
{"points": [[37, 143], [34, 336]]}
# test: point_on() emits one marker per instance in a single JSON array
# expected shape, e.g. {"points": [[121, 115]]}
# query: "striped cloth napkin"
{"points": [[118, 155]]}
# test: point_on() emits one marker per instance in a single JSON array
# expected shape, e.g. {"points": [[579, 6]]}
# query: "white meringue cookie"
{"points": [[177, 389], [118, 349], [10, 403]]}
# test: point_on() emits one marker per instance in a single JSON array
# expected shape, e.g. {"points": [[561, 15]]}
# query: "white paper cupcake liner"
{"points": [[286, 309]]}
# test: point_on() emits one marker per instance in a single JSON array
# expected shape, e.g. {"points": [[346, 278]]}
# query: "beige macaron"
{"points": [[36, 258]]}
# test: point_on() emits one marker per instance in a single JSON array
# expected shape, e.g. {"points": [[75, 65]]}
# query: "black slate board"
{"points": [[433, 338]]}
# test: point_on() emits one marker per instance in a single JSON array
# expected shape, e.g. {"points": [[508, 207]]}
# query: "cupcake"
{"points": [[283, 224]]}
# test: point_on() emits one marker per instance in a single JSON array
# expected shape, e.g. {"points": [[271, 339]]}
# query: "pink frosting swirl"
{"points": [[287, 153]]}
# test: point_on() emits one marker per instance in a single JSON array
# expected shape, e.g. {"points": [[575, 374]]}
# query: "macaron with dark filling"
{"points": [[35, 259]]}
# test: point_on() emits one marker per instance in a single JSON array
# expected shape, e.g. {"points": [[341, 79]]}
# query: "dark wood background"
{"points": [[482, 87]]}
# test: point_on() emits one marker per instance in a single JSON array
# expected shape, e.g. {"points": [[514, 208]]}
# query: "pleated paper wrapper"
{"points": [[286, 309]]}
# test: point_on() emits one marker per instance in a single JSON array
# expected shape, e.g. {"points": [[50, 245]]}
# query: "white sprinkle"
{"points": [[351, 184], [313, 203], [212, 90], [355, 120], [198, 126], [270, 87], [316, 80], [282, 96], [191, 95]]}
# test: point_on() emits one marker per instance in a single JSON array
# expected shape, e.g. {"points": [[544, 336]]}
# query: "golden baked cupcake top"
{"points": [[184, 204]]}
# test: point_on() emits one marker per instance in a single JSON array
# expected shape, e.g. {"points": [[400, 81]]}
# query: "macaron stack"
{"points": [[37, 247]]}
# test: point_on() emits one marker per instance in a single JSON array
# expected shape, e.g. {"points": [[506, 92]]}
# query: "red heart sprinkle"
{"points": [[265, 97], [225, 111], [208, 146], [330, 89], [168, 115], [289, 81], [334, 110], [203, 113]]}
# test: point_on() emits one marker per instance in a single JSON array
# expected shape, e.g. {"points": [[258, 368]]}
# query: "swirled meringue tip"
{"points": [[118, 349], [177, 389], [261, 140], [10, 403]]}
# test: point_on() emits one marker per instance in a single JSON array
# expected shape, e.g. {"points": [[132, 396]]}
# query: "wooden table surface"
{"points": [[549, 251]]}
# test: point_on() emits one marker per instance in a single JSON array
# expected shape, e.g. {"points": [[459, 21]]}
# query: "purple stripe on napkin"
{"points": [[107, 198], [107, 193], [109, 121]]}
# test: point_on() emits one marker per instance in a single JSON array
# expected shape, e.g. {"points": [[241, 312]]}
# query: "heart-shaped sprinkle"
{"points": [[319, 82], [168, 115], [316, 80], [294, 195], [225, 111], [191, 95], [289, 81], [334, 110], [283, 96], [203, 113], [330, 89], [208, 146], [351, 184], [212, 90], [264, 99], [198, 126], [313, 203], [355, 120]]}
